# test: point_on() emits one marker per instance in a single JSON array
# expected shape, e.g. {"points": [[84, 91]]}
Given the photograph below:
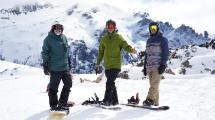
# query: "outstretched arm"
{"points": [[127, 47]]}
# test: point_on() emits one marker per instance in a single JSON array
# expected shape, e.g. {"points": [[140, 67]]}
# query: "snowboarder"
{"points": [[110, 49], [56, 63], [156, 56]]}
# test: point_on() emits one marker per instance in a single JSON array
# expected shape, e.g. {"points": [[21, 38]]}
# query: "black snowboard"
{"points": [[157, 108]]}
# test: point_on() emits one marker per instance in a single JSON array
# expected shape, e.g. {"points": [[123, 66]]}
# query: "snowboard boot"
{"points": [[111, 97], [148, 102], [63, 107], [107, 95], [106, 101], [53, 108], [115, 97]]}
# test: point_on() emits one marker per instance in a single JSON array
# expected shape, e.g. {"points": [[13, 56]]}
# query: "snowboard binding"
{"points": [[93, 101], [134, 100]]}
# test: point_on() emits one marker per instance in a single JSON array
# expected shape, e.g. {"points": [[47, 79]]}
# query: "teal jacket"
{"points": [[110, 49], [55, 52]]}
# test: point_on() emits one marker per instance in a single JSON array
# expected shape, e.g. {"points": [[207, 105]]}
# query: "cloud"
{"points": [[198, 14], [195, 13]]}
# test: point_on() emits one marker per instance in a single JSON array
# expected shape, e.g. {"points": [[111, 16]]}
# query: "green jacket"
{"points": [[111, 49], [55, 52]]}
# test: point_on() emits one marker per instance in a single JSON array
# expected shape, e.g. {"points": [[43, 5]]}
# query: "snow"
{"points": [[22, 91], [199, 58]]}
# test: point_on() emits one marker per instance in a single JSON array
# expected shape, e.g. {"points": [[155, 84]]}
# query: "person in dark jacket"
{"points": [[110, 49], [56, 63], [156, 56]]}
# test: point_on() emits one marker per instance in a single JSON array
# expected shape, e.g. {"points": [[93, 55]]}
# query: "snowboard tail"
{"points": [[157, 108], [57, 115]]}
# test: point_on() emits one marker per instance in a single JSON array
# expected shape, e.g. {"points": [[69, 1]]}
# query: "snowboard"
{"points": [[157, 108], [106, 107], [57, 115]]}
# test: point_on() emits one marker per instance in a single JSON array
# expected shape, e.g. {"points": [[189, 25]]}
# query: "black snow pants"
{"points": [[55, 79], [111, 97]]}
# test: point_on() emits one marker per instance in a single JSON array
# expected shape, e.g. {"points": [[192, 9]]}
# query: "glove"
{"points": [[144, 70], [161, 69], [45, 68], [69, 62], [97, 69]]}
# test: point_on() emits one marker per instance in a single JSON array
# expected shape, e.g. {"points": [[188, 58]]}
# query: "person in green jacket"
{"points": [[110, 49], [56, 63]]}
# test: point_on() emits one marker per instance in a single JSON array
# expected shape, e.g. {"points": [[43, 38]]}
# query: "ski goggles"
{"points": [[153, 27]]}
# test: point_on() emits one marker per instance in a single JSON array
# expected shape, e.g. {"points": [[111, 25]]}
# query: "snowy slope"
{"points": [[23, 97], [194, 59]]}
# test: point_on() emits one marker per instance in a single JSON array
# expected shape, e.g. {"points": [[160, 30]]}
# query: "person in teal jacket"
{"points": [[56, 63], [110, 49]]}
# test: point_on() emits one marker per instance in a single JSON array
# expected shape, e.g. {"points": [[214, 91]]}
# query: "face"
{"points": [[58, 31], [110, 28]]}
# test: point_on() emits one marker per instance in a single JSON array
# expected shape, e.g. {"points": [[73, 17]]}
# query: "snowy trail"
{"points": [[22, 98]]}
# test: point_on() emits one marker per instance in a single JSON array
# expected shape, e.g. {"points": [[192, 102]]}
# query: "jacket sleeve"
{"points": [[145, 56], [165, 50], [100, 53], [45, 51], [67, 46], [125, 45]]}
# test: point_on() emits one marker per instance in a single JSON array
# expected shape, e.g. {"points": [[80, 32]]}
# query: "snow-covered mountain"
{"points": [[25, 25]]}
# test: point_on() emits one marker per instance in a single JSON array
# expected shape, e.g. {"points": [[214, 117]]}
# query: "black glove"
{"points": [[161, 69], [144, 70], [45, 68], [69, 62]]}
